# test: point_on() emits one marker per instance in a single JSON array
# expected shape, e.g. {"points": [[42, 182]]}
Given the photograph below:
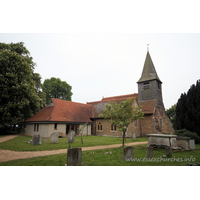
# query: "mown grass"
{"points": [[20, 143], [99, 158]]}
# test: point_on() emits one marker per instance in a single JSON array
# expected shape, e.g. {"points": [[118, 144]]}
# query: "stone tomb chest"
{"points": [[183, 142], [163, 139]]}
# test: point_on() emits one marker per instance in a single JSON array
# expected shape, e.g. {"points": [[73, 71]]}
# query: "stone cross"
{"points": [[36, 139], [54, 137]]}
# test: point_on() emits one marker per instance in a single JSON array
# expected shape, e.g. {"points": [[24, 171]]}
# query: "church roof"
{"points": [[149, 71], [100, 106], [148, 106], [63, 111]]}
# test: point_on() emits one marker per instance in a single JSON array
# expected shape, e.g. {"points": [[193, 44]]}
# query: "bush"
{"points": [[186, 133]]}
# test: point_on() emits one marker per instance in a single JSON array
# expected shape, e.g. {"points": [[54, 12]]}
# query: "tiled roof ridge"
{"points": [[48, 119], [120, 97], [70, 101]]}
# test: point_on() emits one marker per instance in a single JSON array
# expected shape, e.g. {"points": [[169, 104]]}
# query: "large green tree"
{"points": [[171, 113], [188, 110], [122, 114], [55, 88], [19, 99]]}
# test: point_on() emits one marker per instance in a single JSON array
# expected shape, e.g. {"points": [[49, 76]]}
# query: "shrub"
{"points": [[186, 133]]}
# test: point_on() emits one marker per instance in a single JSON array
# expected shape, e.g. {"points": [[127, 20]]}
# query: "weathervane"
{"points": [[147, 47]]}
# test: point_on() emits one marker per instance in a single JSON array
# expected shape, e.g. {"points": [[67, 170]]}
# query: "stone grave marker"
{"points": [[36, 139], [192, 144], [149, 151], [74, 156], [169, 152], [128, 153], [71, 136], [133, 135], [45, 140], [54, 138]]}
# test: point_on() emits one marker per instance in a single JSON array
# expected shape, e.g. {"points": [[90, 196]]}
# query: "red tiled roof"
{"points": [[122, 97], [148, 106], [100, 106], [63, 111]]}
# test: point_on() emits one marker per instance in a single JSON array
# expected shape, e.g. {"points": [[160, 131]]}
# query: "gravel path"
{"points": [[7, 155]]}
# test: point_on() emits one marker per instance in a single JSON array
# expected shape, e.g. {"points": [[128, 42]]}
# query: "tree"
{"points": [[188, 110], [19, 99], [122, 114], [171, 113], [55, 88]]}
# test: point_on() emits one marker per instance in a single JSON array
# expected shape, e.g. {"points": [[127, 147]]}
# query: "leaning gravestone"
{"points": [[128, 153], [74, 156], [133, 135], [149, 151], [54, 138], [36, 139], [192, 144], [169, 152], [71, 136]]}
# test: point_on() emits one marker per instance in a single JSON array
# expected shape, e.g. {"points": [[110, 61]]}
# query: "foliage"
{"points": [[122, 114], [55, 88], [171, 113], [186, 133], [188, 110], [19, 99]]}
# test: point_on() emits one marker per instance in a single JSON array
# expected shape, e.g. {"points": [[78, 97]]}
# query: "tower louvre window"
{"points": [[146, 85]]}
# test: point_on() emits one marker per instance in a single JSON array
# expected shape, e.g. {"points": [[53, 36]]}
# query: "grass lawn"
{"points": [[20, 143], [99, 158]]}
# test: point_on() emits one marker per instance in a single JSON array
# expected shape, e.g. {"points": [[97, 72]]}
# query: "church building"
{"points": [[62, 116]]}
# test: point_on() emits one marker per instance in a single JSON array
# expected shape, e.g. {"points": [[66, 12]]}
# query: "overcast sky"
{"points": [[108, 64]]}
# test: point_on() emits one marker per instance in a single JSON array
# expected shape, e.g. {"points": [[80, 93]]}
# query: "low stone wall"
{"points": [[163, 139]]}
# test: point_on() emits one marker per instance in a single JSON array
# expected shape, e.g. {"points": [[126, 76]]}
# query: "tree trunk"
{"points": [[123, 138]]}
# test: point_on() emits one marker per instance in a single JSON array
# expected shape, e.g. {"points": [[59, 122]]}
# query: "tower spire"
{"points": [[149, 71], [147, 47]]}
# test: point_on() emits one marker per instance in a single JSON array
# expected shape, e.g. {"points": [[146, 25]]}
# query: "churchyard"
{"points": [[100, 157]]}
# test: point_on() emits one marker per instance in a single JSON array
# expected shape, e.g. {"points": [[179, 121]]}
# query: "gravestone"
{"points": [[133, 135], [169, 152], [192, 144], [45, 140], [54, 138], [128, 153], [149, 151], [74, 156], [36, 139], [71, 136]]}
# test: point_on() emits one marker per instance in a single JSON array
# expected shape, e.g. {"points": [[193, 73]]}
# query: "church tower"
{"points": [[149, 85]]}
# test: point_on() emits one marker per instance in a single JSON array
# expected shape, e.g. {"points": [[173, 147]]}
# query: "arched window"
{"points": [[113, 127], [99, 126]]}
